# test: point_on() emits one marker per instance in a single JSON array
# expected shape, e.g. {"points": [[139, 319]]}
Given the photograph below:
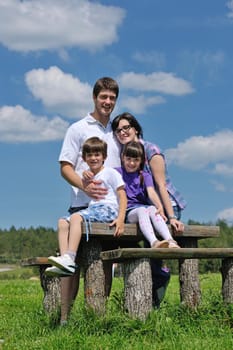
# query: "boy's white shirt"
{"points": [[112, 180]]}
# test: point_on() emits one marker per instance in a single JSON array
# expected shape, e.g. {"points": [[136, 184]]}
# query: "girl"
{"points": [[144, 205]]}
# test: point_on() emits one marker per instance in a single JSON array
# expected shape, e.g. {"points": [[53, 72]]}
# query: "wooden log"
{"points": [[35, 261], [94, 278], [227, 280], [121, 254], [52, 292], [138, 288], [190, 290], [132, 231]]}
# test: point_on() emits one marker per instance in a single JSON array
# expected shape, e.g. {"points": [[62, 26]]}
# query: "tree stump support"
{"points": [[227, 280], [94, 276], [137, 288], [190, 290]]}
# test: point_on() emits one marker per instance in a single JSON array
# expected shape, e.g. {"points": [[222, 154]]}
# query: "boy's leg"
{"points": [[75, 233], [63, 235], [69, 285]]}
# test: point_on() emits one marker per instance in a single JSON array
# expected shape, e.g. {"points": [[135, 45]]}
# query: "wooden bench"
{"points": [[137, 264], [92, 258]]}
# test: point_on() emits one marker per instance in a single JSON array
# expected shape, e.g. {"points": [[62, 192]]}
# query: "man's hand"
{"points": [[93, 189]]}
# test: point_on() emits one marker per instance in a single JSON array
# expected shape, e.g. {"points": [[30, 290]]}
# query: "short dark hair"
{"points": [[94, 144], [132, 121], [105, 83], [135, 149]]}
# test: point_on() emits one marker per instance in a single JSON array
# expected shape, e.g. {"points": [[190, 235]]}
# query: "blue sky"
{"points": [[173, 61]]}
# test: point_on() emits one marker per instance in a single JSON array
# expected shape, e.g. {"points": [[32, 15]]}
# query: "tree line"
{"points": [[17, 244]]}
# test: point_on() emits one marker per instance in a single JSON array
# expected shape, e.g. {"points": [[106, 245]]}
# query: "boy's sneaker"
{"points": [[56, 272], [63, 262]]}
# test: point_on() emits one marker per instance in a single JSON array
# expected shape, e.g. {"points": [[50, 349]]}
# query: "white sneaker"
{"points": [[63, 262], [56, 272]]}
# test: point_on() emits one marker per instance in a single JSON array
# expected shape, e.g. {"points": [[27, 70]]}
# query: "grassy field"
{"points": [[24, 325]]}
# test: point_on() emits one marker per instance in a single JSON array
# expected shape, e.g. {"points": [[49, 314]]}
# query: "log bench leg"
{"points": [[52, 291], [190, 291], [227, 280], [138, 287], [94, 277]]}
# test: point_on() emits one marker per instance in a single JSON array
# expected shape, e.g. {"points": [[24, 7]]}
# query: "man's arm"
{"points": [[92, 189]]}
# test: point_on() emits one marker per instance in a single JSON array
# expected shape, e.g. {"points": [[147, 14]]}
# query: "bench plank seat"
{"points": [[133, 231], [118, 255]]}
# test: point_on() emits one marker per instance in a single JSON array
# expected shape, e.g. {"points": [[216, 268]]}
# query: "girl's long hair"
{"points": [[135, 149]]}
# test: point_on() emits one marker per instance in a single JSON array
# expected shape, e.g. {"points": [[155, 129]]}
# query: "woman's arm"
{"points": [[157, 166], [154, 198]]}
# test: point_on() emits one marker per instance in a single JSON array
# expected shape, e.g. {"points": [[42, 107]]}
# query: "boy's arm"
{"points": [[119, 221]]}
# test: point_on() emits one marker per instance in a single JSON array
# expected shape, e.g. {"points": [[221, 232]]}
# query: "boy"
{"points": [[111, 208]]}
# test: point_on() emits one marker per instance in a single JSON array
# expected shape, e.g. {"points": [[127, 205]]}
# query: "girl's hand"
{"points": [[160, 211]]}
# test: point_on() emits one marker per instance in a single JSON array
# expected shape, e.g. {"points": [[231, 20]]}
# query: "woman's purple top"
{"points": [[150, 150]]}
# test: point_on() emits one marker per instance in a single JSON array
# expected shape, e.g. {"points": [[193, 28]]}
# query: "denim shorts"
{"points": [[97, 213]]}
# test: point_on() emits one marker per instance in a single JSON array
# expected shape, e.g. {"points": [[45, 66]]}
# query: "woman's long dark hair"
{"points": [[132, 122]]}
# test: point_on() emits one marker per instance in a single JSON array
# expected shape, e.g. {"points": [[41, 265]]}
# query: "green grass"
{"points": [[24, 325]]}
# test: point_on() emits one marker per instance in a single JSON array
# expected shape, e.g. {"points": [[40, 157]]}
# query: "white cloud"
{"points": [[219, 187], [229, 4], [140, 103], [162, 82], [19, 125], [200, 152], [226, 214], [204, 65], [59, 92], [155, 58], [43, 25], [224, 169]]}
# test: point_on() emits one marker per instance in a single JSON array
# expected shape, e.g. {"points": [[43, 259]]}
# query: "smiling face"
{"points": [[95, 161], [133, 156], [125, 132], [104, 104], [131, 164]]}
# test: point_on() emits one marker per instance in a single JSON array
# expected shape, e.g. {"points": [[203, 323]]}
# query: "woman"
{"points": [[126, 128]]}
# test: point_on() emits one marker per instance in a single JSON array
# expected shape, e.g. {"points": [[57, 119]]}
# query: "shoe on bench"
{"points": [[173, 244], [63, 262], [56, 272], [160, 244]]}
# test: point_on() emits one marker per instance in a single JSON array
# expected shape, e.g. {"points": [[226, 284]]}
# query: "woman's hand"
{"points": [[177, 226]]}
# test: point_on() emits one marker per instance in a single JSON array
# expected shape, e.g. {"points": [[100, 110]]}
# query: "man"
{"points": [[97, 123]]}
